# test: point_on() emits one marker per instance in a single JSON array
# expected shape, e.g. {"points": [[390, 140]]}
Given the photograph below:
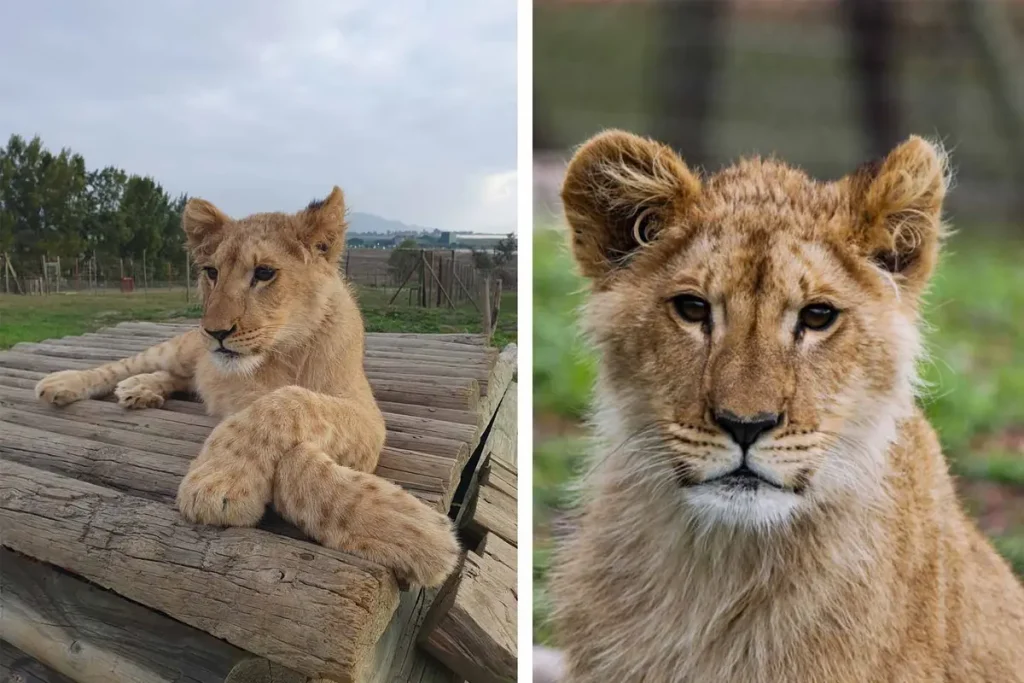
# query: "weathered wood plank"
{"points": [[502, 439], [471, 626], [500, 445], [502, 373], [18, 667], [119, 459], [406, 431], [495, 512], [408, 663], [505, 554], [301, 605], [501, 476], [441, 392], [95, 636], [443, 368]]}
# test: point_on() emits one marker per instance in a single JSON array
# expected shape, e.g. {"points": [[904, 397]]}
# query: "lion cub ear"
{"points": [[619, 191], [203, 224], [898, 210], [323, 225]]}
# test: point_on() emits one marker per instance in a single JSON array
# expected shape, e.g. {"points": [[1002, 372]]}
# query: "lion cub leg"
{"points": [[365, 515], [312, 453], [176, 356], [150, 389]]}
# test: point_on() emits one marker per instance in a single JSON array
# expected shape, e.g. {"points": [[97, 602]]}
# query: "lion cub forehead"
{"points": [[782, 197]]}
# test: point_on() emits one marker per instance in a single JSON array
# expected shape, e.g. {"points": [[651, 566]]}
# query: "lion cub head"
{"points": [[265, 277], [757, 328]]}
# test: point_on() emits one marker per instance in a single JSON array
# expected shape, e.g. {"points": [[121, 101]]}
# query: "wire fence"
{"points": [[824, 84], [427, 278]]}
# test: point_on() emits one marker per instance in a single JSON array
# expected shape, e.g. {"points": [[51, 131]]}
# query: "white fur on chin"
{"points": [[237, 364]]}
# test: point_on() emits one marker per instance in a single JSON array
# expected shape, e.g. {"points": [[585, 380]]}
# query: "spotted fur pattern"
{"points": [[850, 561], [301, 428]]}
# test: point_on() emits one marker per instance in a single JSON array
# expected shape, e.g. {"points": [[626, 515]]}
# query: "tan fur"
{"points": [[301, 427], [857, 564]]}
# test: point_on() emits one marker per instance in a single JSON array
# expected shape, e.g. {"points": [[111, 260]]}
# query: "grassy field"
{"points": [[976, 378], [34, 318]]}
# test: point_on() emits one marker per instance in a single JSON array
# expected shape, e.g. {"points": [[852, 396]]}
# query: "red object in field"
{"points": [[127, 284]]}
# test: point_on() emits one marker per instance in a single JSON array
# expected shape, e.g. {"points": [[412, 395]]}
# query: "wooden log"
{"points": [[18, 667], [405, 662], [95, 636], [502, 373], [309, 608], [263, 671], [121, 459], [167, 431], [500, 444], [439, 392], [413, 354], [440, 368], [502, 476], [471, 626], [27, 379], [495, 512], [164, 330], [505, 554]]}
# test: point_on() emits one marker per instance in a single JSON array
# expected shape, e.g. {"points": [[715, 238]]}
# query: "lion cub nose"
{"points": [[220, 335], [745, 430]]}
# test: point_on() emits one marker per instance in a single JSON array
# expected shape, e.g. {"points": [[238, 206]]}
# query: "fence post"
{"points": [[188, 278], [485, 305]]}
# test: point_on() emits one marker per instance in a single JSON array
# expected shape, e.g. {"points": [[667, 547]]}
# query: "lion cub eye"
{"points": [[692, 308], [211, 273], [263, 273], [818, 317]]}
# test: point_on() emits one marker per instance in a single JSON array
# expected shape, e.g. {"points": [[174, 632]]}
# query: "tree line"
{"points": [[53, 206]]}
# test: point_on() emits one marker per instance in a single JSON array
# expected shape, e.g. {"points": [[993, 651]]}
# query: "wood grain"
{"points": [[471, 627], [306, 607], [95, 636]]}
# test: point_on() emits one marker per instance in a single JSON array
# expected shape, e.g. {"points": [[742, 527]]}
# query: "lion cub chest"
{"points": [[225, 393]]}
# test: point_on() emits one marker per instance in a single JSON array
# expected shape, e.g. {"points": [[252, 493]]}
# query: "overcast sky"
{"points": [[261, 105]]}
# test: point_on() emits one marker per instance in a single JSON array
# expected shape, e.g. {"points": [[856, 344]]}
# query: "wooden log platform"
{"points": [[471, 625], [93, 548]]}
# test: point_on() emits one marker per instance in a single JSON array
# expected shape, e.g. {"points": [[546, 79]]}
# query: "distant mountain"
{"points": [[370, 224]]}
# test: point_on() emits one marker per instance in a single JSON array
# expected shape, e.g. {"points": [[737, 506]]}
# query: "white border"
{"points": [[524, 186]]}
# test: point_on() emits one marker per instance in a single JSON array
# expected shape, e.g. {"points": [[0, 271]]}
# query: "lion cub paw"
{"points": [[224, 493], [136, 393], [62, 388], [414, 540], [433, 551]]}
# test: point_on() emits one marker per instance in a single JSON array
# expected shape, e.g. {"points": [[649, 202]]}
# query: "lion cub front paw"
{"points": [[223, 492], [136, 392], [62, 388]]}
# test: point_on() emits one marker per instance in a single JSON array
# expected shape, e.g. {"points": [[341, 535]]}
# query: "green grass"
{"points": [[34, 318], [975, 375]]}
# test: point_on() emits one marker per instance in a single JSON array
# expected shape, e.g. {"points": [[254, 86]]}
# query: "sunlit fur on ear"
{"points": [[613, 180], [899, 203], [323, 226], [202, 223]]}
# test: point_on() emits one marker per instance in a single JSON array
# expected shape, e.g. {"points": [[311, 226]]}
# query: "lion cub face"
{"points": [[757, 328], [264, 277]]}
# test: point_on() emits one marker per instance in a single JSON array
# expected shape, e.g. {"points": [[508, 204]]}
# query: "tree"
{"points": [[53, 205], [505, 251], [404, 258]]}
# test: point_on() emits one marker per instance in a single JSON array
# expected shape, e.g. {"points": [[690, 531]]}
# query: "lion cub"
{"points": [[279, 355], [767, 503]]}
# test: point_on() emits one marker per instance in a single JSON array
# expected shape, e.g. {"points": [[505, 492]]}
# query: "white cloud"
{"points": [[259, 104]]}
